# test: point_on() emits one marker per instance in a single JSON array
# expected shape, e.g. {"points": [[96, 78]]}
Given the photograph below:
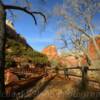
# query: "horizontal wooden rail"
{"points": [[79, 76], [90, 69], [94, 69], [63, 68]]}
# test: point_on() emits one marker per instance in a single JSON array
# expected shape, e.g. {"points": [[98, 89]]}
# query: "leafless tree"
{"points": [[22, 5], [78, 16]]}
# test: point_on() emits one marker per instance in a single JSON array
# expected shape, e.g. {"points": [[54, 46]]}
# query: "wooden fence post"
{"points": [[84, 71], [57, 70], [66, 73]]}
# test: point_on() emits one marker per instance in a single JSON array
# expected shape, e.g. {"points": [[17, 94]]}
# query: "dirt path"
{"points": [[58, 89], [64, 89]]}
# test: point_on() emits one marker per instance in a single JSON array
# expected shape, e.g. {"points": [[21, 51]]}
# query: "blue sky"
{"points": [[41, 35]]}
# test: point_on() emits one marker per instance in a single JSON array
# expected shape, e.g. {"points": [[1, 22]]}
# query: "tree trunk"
{"points": [[2, 48]]}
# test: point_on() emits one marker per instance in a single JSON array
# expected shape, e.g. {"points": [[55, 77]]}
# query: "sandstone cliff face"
{"points": [[91, 47], [69, 61], [19, 54], [82, 60], [50, 51], [10, 76], [52, 54], [19, 51]]}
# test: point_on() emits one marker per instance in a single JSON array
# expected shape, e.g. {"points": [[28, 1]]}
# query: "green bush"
{"points": [[19, 49], [10, 63]]}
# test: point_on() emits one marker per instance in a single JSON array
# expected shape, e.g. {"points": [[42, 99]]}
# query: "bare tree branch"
{"points": [[13, 16], [79, 29], [64, 41], [6, 7]]}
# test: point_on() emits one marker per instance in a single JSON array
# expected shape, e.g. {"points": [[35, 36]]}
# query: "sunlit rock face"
{"points": [[10, 76], [69, 61], [50, 51], [10, 24], [12, 34], [95, 56], [92, 49]]}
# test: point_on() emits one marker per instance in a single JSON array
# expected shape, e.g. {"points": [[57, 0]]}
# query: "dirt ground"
{"points": [[65, 89]]}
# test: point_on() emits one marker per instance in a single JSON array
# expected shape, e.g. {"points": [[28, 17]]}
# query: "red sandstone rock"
{"points": [[10, 76], [91, 47], [71, 60], [50, 51]]}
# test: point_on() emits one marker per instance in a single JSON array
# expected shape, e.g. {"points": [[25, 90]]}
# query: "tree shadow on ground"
{"points": [[40, 89], [84, 93]]}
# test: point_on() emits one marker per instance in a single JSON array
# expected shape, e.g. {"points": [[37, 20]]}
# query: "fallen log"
{"points": [[39, 87], [21, 85]]}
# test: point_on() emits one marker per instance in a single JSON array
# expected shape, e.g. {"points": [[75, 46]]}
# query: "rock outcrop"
{"points": [[92, 49], [10, 76], [50, 51], [12, 34], [52, 54], [69, 61], [19, 54], [19, 51]]}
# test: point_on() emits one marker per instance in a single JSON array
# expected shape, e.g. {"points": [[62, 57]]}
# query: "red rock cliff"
{"points": [[91, 47], [50, 51]]}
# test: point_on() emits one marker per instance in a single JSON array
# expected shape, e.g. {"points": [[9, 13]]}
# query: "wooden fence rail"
{"points": [[21, 85], [84, 73]]}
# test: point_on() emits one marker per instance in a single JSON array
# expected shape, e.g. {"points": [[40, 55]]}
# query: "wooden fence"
{"points": [[84, 73], [21, 85]]}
